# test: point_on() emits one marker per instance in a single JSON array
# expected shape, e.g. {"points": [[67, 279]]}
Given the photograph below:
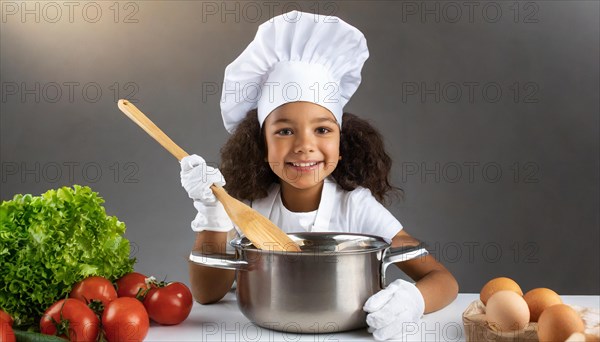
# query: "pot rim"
{"points": [[352, 241]]}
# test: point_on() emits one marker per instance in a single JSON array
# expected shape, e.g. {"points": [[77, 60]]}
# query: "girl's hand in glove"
{"points": [[196, 179], [393, 308]]}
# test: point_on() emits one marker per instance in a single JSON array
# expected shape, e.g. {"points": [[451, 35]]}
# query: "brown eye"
{"points": [[285, 131]]}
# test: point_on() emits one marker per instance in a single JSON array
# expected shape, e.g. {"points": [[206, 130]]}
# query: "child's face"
{"points": [[303, 143]]}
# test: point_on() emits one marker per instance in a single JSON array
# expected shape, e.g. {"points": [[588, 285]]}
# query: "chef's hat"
{"points": [[296, 56]]}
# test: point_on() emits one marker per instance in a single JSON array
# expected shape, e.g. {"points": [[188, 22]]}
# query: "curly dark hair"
{"points": [[364, 160]]}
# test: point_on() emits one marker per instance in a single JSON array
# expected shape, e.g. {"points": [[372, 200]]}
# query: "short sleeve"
{"points": [[368, 216]]}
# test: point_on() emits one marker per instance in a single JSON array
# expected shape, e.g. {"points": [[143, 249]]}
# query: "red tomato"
{"points": [[125, 319], [71, 319], [170, 304], [5, 317], [6, 332], [130, 284], [94, 288]]}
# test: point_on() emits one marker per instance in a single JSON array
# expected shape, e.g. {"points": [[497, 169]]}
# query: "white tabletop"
{"points": [[223, 321]]}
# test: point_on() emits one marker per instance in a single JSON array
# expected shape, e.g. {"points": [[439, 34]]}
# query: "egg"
{"points": [[507, 310], [498, 284], [592, 338], [558, 322], [539, 299]]}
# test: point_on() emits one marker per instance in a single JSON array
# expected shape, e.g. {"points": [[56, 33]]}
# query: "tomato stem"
{"points": [[97, 306], [62, 327]]}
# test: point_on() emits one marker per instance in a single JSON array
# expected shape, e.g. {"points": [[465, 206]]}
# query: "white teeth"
{"points": [[304, 164]]}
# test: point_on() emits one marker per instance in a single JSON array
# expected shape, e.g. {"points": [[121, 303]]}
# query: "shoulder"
{"points": [[357, 197], [359, 203], [272, 191], [366, 215]]}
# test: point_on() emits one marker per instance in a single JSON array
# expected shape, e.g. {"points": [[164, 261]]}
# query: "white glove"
{"points": [[392, 309], [196, 179]]}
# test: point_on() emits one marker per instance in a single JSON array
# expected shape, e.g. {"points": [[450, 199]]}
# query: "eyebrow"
{"points": [[316, 120]]}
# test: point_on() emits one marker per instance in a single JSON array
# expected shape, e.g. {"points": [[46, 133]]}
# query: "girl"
{"points": [[295, 157]]}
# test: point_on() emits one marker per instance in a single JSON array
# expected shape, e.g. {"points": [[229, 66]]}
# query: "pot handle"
{"points": [[393, 255], [224, 261]]}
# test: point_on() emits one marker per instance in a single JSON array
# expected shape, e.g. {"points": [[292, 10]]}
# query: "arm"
{"points": [[437, 285], [211, 225], [210, 284]]}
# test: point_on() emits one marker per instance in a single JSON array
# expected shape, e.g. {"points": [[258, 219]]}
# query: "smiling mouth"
{"points": [[305, 166]]}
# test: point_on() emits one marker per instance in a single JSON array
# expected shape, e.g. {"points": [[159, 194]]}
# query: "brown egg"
{"points": [[498, 284], [507, 310], [592, 338], [539, 299], [558, 322]]}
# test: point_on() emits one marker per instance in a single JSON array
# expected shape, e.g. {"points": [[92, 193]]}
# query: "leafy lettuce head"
{"points": [[50, 242]]}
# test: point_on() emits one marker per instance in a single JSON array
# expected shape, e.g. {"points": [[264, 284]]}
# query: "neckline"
{"points": [[303, 213]]}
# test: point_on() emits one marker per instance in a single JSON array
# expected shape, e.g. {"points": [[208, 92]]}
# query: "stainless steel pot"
{"points": [[319, 290]]}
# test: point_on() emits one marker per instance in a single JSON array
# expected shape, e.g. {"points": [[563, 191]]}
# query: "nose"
{"points": [[305, 142]]}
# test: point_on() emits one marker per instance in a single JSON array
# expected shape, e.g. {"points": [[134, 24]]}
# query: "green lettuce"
{"points": [[50, 242]]}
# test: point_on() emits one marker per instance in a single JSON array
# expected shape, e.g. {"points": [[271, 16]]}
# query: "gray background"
{"points": [[497, 184]]}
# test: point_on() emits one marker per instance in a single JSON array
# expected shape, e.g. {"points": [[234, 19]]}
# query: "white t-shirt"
{"points": [[344, 211]]}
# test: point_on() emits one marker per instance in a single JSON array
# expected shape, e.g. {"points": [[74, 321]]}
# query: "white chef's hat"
{"points": [[296, 56]]}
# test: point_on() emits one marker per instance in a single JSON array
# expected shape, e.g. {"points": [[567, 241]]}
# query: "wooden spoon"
{"points": [[257, 228]]}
